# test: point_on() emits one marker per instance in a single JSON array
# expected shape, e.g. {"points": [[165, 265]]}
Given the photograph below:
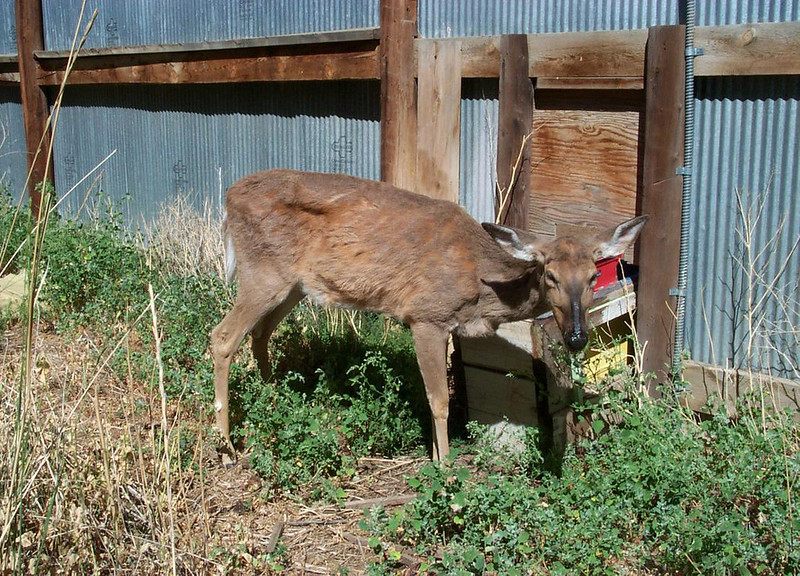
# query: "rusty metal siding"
{"points": [[198, 139], [748, 147], [131, 23]]}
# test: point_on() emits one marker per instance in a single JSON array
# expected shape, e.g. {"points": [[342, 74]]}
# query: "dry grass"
{"points": [[186, 240]]}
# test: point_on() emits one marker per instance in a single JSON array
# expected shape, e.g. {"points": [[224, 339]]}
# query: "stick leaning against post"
{"points": [[344, 241]]}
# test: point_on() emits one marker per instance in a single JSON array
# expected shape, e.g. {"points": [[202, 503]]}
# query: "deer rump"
{"points": [[362, 244]]}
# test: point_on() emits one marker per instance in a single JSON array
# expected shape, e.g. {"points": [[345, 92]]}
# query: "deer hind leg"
{"points": [[248, 310], [262, 331], [430, 343]]}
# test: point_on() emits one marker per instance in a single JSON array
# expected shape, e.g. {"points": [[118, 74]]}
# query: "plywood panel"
{"points": [[584, 168]]}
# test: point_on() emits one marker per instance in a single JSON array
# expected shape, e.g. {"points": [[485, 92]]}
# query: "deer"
{"points": [[339, 240]]}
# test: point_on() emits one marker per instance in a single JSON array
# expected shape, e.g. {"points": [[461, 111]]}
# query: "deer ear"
{"points": [[520, 244], [615, 241]]}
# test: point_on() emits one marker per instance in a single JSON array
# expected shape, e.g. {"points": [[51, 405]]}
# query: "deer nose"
{"points": [[576, 341]]}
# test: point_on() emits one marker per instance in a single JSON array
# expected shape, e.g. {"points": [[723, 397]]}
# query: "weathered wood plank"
{"points": [[232, 68], [439, 121], [748, 49], [717, 386], [661, 196], [397, 69], [585, 166], [763, 48], [514, 125], [589, 83], [35, 109]]}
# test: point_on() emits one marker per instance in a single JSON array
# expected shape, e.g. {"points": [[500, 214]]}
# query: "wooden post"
{"points": [[398, 92], [439, 120], [661, 195], [515, 122], [35, 110]]}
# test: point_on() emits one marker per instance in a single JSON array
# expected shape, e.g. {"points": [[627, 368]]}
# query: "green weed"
{"points": [[660, 492]]}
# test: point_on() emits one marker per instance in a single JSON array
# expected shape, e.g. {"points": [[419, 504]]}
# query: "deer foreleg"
{"points": [[430, 342]]}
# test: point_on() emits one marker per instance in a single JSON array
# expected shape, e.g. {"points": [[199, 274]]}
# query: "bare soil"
{"points": [[118, 505]]}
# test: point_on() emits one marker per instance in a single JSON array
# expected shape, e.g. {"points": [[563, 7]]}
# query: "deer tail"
{"points": [[230, 254]]}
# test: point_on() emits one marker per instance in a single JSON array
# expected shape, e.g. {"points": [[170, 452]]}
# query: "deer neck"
{"points": [[518, 297]]}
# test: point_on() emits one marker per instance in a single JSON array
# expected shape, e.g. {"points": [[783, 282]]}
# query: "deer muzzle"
{"points": [[577, 338]]}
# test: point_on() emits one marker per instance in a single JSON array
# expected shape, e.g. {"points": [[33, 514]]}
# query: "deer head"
{"points": [[566, 270]]}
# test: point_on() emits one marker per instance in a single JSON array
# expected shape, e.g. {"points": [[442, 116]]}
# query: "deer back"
{"points": [[364, 244]]}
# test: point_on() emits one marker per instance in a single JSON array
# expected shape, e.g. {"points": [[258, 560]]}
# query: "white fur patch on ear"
{"points": [[521, 253], [615, 241], [511, 242]]}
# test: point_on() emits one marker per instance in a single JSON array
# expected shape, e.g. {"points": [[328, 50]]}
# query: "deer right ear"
{"points": [[510, 240]]}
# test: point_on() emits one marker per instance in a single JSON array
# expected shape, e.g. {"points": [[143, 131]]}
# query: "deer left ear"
{"points": [[615, 241], [518, 243]]}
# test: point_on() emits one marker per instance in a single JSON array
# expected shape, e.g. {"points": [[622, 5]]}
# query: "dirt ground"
{"points": [[107, 431]]}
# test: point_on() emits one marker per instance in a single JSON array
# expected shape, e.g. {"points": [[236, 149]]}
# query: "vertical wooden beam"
{"points": [[35, 110], [398, 92], [439, 119], [659, 246], [515, 121]]}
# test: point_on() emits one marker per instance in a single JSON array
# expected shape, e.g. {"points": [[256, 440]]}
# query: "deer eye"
{"points": [[550, 278]]}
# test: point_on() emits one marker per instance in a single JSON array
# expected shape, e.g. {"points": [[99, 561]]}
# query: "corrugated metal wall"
{"points": [[8, 32], [129, 23], [13, 165], [172, 139], [747, 147]]}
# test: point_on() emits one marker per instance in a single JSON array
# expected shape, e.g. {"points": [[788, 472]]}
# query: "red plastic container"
{"points": [[608, 271]]}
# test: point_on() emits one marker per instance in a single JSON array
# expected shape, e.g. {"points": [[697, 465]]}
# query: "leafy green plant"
{"points": [[660, 492], [297, 437]]}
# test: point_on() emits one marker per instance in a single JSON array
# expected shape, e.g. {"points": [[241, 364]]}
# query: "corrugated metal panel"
{"points": [[13, 151], [481, 17], [8, 30], [128, 23], [453, 18], [747, 143], [172, 139], [478, 173]]}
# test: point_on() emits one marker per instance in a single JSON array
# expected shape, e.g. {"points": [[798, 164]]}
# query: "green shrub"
{"points": [[94, 273], [297, 437], [660, 492]]}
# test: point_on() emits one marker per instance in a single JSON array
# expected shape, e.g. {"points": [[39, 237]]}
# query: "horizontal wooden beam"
{"points": [[573, 60], [590, 83], [749, 49], [715, 385], [313, 62]]}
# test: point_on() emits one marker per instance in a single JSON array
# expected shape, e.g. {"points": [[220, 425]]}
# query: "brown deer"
{"points": [[344, 241]]}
